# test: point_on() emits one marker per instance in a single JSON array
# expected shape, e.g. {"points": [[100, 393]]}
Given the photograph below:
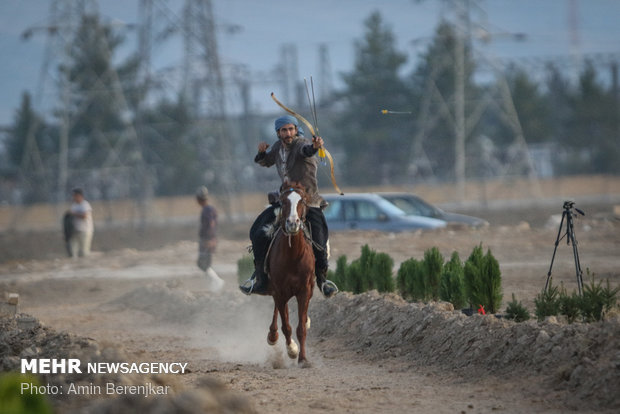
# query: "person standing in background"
{"points": [[82, 217], [207, 239], [208, 229]]}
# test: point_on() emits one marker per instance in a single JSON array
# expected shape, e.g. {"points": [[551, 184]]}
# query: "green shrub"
{"points": [[472, 276], [452, 285], [356, 279], [404, 277], [339, 277], [547, 302], [419, 288], [517, 311], [381, 271], [245, 268], [371, 270], [591, 305], [483, 282], [570, 305], [433, 265], [412, 281], [13, 401], [597, 300]]}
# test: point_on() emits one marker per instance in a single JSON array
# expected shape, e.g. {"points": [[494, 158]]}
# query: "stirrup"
{"points": [[331, 285], [244, 287]]}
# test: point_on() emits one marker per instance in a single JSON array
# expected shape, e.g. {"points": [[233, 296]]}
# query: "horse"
{"points": [[291, 268]]}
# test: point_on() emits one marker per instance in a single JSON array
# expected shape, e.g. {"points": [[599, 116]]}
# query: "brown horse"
{"points": [[291, 268]]}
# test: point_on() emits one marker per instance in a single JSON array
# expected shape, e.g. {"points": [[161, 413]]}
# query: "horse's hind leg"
{"points": [[291, 347], [272, 337]]}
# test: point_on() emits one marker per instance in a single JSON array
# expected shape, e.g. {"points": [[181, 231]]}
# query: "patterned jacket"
{"points": [[296, 164]]}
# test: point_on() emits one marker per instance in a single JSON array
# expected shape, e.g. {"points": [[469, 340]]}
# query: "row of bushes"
{"points": [[590, 306], [477, 282], [371, 270]]}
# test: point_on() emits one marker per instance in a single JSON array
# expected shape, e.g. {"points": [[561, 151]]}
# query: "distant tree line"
{"points": [[578, 123], [121, 145]]}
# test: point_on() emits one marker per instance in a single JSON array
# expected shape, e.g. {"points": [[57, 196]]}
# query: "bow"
{"points": [[311, 129]]}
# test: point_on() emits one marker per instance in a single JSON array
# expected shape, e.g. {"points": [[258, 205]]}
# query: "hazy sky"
{"points": [[268, 24]]}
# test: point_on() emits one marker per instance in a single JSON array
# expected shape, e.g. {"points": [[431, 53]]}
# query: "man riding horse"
{"points": [[293, 156]]}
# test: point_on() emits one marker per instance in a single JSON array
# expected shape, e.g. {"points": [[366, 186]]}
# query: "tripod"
{"points": [[570, 238]]}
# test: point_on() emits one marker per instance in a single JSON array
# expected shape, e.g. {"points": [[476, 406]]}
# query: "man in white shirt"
{"points": [[82, 214]]}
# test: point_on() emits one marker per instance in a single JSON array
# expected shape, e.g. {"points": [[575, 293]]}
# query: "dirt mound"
{"points": [[25, 337], [581, 358], [208, 397]]}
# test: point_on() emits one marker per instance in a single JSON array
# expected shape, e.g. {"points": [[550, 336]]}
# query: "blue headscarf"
{"points": [[287, 119]]}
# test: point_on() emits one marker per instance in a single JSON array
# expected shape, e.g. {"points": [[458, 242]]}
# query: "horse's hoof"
{"points": [[292, 349], [274, 341], [308, 323], [305, 364]]}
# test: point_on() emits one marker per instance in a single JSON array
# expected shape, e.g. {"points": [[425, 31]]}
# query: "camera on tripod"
{"points": [[567, 215], [569, 205]]}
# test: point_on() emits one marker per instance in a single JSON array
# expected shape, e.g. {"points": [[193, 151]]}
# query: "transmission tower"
{"points": [[452, 108], [123, 157], [202, 69], [64, 17]]}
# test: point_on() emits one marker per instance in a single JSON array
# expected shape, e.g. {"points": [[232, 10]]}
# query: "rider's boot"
{"points": [[327, 287], [258, 284]]}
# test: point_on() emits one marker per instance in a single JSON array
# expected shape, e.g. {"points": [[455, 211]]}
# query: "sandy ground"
{"points": [[158, 306]]}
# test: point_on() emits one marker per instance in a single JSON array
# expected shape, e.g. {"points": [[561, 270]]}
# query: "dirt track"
{"points": [[157, 306]]}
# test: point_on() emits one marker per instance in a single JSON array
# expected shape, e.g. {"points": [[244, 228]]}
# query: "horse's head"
{"points": [[294, 203]]}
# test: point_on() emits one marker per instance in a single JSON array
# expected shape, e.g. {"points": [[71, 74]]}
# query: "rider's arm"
{"points": [[308, 150], [266, 158]]}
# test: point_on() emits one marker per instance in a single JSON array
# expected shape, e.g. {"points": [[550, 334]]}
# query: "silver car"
{"points": [[365, 211], [414, 206]]}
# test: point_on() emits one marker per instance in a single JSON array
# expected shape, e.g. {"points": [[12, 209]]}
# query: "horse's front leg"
{"points": [[272, 337], [291, 346], [302, 302]]}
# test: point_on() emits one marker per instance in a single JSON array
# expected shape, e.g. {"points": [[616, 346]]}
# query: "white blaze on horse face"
{"points": [[293, 223]]}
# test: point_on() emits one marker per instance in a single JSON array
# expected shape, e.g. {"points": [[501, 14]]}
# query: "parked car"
{"points": [[366, 211], [414, 206]]}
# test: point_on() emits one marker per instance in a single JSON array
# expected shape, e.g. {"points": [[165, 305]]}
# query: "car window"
{"points": [[333, 211], [349, 210], [367, 211], [406, 206], [389, 208], [413, 206]]}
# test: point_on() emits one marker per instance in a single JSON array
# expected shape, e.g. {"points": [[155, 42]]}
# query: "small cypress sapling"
{"points": [[339, 276], [419, 289], [433, 265], [474, 289], [452, 285], [492, 283], [569, 305], [403, 277], [597, 300], [356, 280], [547, 302], [382, 266], [517, 311]]}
